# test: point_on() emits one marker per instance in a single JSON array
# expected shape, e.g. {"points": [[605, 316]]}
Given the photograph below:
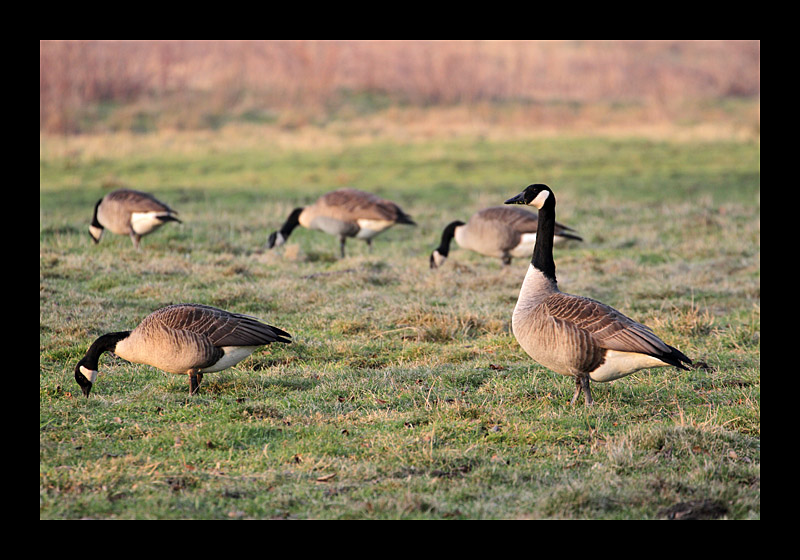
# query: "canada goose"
{"points": [[499, 231], [186, 338], [574, 335], [346, 213], [129, 212]]}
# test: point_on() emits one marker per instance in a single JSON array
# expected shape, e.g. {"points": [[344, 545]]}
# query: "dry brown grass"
{"points": [[183, 84]]}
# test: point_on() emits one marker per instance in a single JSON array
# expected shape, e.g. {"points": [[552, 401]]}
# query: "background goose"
{"points": [[499, 231], [187, 338], [129, 212], [345, 213], [574, 335]]}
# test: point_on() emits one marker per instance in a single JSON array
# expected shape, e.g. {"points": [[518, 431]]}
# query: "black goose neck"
{"points": [[447, 236], [95, 223], [105, 343], [291, 222], [545, 232]]}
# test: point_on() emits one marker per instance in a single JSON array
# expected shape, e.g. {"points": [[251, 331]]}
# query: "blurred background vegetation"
{"points": [[146, 86]]}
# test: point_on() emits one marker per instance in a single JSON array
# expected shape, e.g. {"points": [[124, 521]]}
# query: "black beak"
{"points": [[86, 389], [519, 199]]}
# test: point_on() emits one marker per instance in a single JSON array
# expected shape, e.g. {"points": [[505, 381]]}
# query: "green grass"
{"points": [[404, 395]]}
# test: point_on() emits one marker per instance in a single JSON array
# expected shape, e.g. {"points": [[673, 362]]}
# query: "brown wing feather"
{"points": [[608, 327], [222, 328], [137, 201], [516, 218], [352, 204]]}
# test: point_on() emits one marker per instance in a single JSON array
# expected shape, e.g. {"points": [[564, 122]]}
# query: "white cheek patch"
{"points": [[96, 233], [279, 240], [538, 202], [90, 374], [438, 259]]}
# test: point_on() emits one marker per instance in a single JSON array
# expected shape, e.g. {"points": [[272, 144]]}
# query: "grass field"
{"points": [[404, 394]]}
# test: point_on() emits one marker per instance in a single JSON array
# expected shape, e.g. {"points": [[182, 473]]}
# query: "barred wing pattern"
{"points": [[609, 328], [222, 328]]}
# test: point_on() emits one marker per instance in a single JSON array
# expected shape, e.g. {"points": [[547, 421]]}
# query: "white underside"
{"points": [[619, 364], [371, 228], [145, 222], [233, 355], [525, 247]]}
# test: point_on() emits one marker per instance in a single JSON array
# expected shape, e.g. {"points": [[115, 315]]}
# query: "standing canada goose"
{"points": [[129, 212], [499, 231], [186, 338], [574, 335], [346, 213]]}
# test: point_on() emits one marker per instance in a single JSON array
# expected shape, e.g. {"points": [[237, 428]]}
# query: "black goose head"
{"points": [[536, 195], [540, 196], [278, 238], [440, 254], [85, 376], [86, 369]]}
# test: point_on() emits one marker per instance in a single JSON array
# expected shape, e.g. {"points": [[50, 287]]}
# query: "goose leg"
{"points": [[369, 245], [582, 385], [194, 382], [577, 391], [135, 239], [341, 245]]}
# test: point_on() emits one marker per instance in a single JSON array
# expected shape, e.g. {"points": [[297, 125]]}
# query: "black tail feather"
{"points": [[405, 219], [676, 358], [569, 236]]}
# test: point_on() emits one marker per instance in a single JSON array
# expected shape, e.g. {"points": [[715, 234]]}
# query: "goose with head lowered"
{"points": [[129, 212], [575, 335], [187, 338], [344, 213], [500, 231]]}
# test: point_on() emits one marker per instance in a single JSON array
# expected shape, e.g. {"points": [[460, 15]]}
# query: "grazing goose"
{"points": [[346, 213], [187, 338], [574, 335], [129, 212], [499, 231]]}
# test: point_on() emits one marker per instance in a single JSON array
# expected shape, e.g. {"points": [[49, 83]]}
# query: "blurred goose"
{"points": [[187, 338], [129, 212], [574, 335], [499, 231], [344, 213]]}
